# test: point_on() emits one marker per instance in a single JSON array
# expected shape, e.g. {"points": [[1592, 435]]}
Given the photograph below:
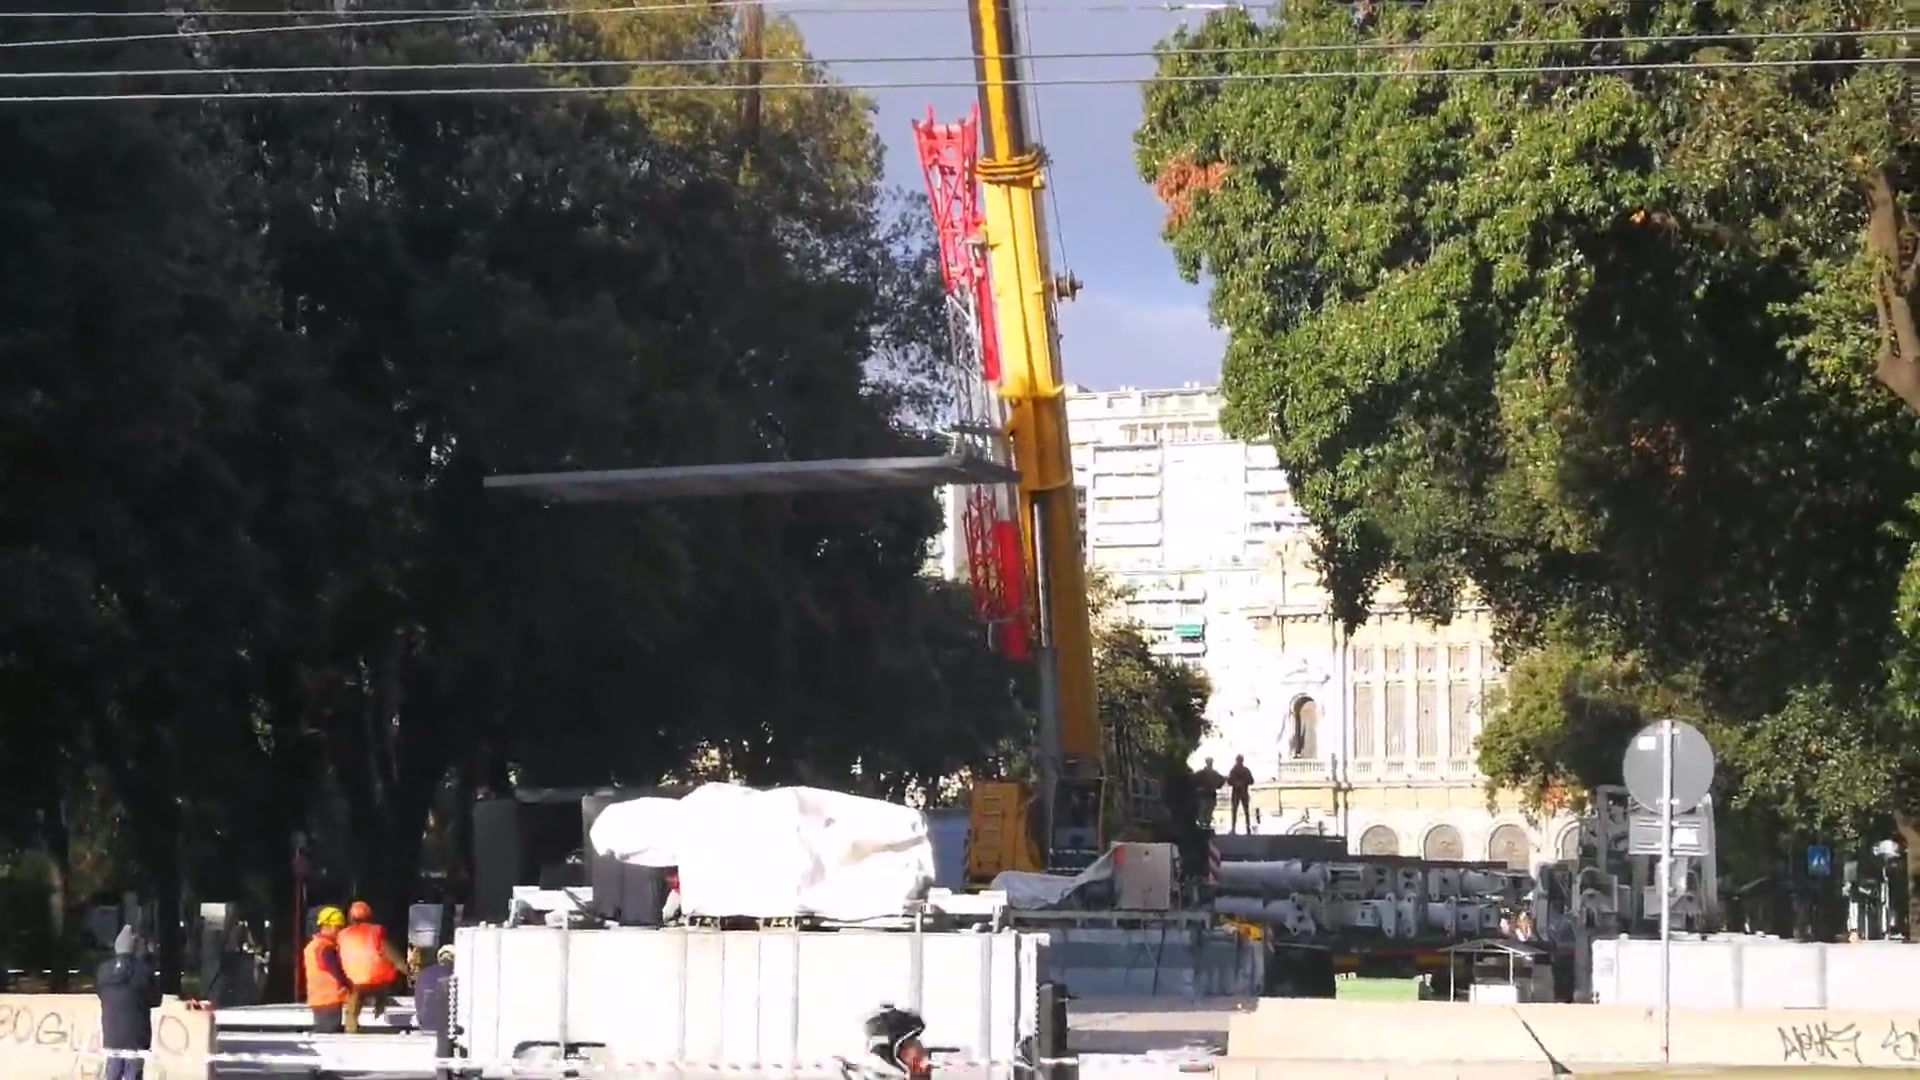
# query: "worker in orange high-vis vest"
{"points": [[375, 965], [328, 987]]}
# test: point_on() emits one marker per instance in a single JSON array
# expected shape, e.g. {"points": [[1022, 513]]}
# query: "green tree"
{"points": [[1153, 710], [251, 583], [1600, 345]]}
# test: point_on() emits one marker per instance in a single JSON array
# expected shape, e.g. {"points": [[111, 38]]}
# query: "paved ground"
{"points": [[1151, 1025]]}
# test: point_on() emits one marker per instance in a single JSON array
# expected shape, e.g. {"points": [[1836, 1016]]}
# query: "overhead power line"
{"points": [[928, 84], [338, 21], [377, 11], [1812, 36], [347, 24]]}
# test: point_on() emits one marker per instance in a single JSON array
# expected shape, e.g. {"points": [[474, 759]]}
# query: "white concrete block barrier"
{"points": [[57, 1037], [1578, 1037]]}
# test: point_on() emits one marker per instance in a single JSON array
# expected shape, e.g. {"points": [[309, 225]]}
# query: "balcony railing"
{"points": [[1306, 769]]}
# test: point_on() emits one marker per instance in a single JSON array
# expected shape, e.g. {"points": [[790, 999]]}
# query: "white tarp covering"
{"points": [[773, 854], [1031, 892]]}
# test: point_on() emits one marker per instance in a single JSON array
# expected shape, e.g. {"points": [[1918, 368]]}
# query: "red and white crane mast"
{"points": [[988, 513]]}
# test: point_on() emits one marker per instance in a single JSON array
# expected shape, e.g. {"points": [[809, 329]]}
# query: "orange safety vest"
{"points": [[323, 990], [363, 952]]}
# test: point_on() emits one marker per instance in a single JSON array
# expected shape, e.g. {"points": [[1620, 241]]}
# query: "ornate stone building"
{"points": [[1371, 735]]}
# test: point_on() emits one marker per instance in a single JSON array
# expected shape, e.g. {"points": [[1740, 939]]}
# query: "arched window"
{"points": [[1303, 729], [1379, 840], [1570, 843], [1443, 842], [1509, 844]]}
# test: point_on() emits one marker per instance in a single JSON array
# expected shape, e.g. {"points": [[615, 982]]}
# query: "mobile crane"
{"points": [[1020, 515], [1024, 551]]}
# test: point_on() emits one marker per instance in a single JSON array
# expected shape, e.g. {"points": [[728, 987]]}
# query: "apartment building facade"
{"points": [[1369, 734]]}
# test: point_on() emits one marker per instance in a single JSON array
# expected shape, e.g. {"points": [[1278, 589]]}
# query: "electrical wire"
{"points": [[630, 89], [359, 24], [561, 12], [429, 16], [380, 11], [965, 58]]}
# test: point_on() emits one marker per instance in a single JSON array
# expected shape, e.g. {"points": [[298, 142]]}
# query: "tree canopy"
{"points": [[258, 354], [1593, 309]]}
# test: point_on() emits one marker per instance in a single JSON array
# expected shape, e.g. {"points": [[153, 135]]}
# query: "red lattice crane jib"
{"points": [[989, 521], [948, 154]]}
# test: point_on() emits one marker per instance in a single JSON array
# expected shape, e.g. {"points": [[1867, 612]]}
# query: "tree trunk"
{"points": [[55, 844], [1908, 825], [154, 821], [167, 887], [1896, 278]]}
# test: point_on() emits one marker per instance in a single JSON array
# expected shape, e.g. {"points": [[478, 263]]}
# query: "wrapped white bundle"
{"points": [[778, 853]]}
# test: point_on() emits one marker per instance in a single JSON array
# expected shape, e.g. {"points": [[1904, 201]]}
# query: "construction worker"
{"points": [[374, 964], [328, 987], [432, 1001]]}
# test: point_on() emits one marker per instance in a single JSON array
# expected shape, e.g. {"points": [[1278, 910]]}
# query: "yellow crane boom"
{"points": [[1011, 173]]}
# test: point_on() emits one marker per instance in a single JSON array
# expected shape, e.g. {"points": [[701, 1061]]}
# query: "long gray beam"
{"points": [[753, 478]]}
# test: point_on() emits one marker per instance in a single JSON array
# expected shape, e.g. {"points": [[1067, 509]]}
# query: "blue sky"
{"points": [[1135, 323]]}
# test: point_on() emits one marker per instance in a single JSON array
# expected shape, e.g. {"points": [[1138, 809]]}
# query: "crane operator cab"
{"points": [[1077, 825]]}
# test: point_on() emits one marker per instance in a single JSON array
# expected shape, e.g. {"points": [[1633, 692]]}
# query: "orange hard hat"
{"points": [[361, 911]]}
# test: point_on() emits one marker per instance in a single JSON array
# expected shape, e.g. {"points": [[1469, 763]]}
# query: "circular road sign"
{"points": [[1692, 766]]}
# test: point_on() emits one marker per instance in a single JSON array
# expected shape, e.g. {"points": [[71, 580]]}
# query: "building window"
{"points": [[1360, 659], [1509, 845], [1363, 721], [1460, 659], [1396, 659], [1426, 720], [1424, 659], [1570, 844], [1303, 732], [1379, 840], [1460, 720], [1396, 721], [1444, 842]]}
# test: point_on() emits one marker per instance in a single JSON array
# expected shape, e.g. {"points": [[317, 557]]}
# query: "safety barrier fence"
{"points": [[398, 1061]]}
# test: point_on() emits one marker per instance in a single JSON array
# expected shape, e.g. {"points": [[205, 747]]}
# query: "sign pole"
{"points": [[1666, 887]]}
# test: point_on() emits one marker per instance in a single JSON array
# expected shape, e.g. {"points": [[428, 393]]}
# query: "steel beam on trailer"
{"points": [[753, 478]]}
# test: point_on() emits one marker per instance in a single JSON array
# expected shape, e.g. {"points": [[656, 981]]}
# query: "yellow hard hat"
{"points": [[331, 918]]}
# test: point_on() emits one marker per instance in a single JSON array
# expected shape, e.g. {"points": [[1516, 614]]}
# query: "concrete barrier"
{"points": [[1547, 1038], [57, 1037]]}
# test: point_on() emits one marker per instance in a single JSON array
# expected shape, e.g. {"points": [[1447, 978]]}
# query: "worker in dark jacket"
{"points": [[433, 1000], [129, 992]]}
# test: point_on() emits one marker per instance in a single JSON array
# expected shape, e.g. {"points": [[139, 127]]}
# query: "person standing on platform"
{"points": [[1206, 789], [1240, 802]]}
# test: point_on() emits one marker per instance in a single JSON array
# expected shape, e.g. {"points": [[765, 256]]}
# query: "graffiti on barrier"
{"points": [[57, 1037], [1824, 1042], [1902, 1041], [1818, 1042]]}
